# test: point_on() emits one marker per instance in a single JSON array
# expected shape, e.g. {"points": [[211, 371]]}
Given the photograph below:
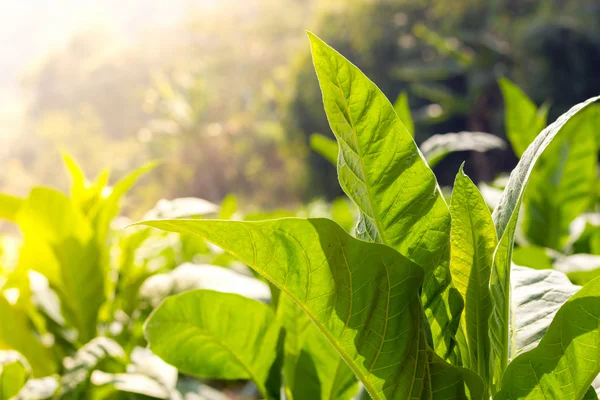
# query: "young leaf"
{"points": [[324, 146], [505, 219], [216, 335], [383, 172], [106, 210], [14, 371], [565, 362], [473, 240], [312, 368], [79, 192], [437, 147], [403, 111], [363, 296], [562, 185], [523, 120]]}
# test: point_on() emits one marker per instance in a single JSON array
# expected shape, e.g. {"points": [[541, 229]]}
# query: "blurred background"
{"points": [[224, 93]]}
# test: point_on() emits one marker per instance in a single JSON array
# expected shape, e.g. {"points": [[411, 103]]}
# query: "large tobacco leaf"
{"points": [[381, 169], [364, 297]]}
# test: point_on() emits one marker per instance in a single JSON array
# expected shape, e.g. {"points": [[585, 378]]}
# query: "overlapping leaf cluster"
{"points": [[419, 306]]}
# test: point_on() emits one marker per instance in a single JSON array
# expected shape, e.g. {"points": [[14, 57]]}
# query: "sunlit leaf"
{"points": [[523, 120], [536, 297], [16, 334], [562, 185], [108, 208], [382, 171], [565, 362], [363, 296], [59, 243], [473, 240], [216, 335], [505, 219]]}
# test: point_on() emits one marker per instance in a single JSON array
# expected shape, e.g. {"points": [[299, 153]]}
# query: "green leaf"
{"points": [[79, 190], [324, 146], [14, 372], [563, 184], [16, 334], [382, 171], [9, 206], [473, 240], [363, 296], [565, 362], [437, 147], [523, 120], [536, 296], [108, 208], [59, 243], [505, 218], [403, 111], [216, 335], [312, 368]]}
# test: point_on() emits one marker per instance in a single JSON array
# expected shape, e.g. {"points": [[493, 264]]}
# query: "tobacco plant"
{"points": [[417, 305]]}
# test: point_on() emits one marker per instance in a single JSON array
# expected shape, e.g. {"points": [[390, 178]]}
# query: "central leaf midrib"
{"points": [[362, 164]]}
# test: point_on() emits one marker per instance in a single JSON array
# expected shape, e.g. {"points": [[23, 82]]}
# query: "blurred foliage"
{"points": [[228, 99]]}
